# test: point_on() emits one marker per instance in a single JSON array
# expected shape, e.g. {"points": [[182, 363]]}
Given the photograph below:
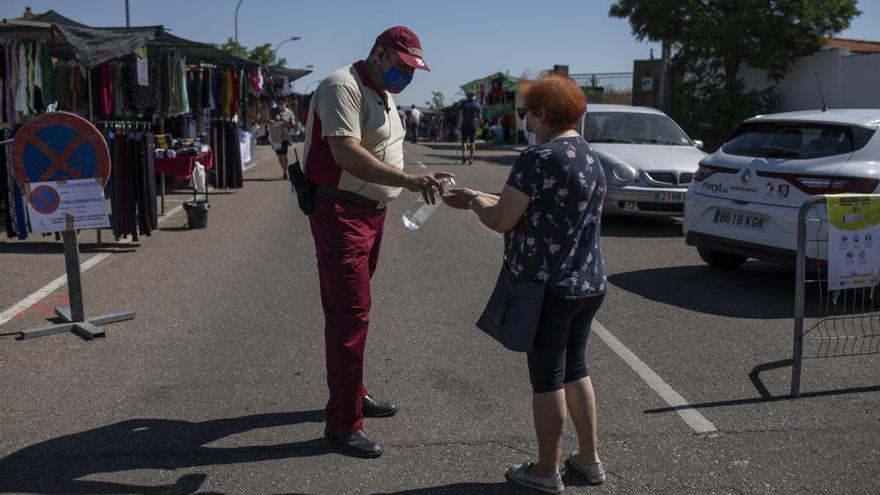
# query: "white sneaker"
{"points": [[520, 475], [595, 473]]}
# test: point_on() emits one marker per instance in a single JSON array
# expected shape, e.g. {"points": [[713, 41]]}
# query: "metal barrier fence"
{"points": [[839, 322], [607, 87]]}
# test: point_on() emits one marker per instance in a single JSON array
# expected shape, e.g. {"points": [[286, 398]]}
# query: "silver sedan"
{"points": [[648, 160]]}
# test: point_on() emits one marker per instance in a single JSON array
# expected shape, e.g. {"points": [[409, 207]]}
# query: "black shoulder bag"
{"points": [[514, 308]]}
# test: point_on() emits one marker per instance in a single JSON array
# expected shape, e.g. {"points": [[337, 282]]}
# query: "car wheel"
{"points": [[718, 259]]}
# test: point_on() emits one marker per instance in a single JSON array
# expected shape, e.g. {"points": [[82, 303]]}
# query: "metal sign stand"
{"points": [[74, 317]]}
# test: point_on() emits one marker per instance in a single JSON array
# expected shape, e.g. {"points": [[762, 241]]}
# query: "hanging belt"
{"points": [[347, 196]]}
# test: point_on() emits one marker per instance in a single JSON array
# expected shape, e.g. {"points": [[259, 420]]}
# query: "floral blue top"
{"points": [[565, 181]]}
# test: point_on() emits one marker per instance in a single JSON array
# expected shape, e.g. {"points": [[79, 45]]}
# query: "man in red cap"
{"points": [[354, 156]]}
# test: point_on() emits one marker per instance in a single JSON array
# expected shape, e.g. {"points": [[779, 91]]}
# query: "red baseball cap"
{"points": [[407, 44]]}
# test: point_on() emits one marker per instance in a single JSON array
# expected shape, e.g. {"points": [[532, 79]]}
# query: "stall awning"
{"points": [[92, 46], [291, 74]]}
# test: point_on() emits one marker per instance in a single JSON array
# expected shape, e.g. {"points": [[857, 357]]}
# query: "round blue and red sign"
{"points": [[45, 199], [59, 146]]}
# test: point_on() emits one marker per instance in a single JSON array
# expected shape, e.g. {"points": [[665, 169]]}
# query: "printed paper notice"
{"points": [[49, 204], [853, 241]]}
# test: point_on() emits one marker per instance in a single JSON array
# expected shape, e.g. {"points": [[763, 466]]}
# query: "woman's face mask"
{"points": [[531, 136], [395, 79]]}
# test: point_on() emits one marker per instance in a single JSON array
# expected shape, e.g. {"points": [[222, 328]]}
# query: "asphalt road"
{"points": [[218, 385]]}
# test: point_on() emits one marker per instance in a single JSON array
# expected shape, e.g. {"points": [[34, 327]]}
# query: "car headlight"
{"points": [[624, 173]]}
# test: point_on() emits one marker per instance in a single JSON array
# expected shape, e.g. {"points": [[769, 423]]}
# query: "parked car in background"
{"points": [[744, 200], [648, 160]]}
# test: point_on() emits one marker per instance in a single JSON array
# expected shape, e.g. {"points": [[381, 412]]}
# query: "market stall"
{"points": [[131, 83], [498, 95]]}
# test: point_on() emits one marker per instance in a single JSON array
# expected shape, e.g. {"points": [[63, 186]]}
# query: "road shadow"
{"points": [[60, 465], [502, 488], [756, 290], [622, 226], [58, 248], [765, 395]]}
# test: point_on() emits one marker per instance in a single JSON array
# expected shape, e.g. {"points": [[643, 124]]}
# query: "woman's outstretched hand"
{"points": [[459, 198]]}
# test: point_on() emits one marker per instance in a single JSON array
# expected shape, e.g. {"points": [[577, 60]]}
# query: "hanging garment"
{"points": [[38, 74], [21, 91], [184, 107], [106, 85], [9, 107], [29, 59], [236, 94], [47, 70], [227, 155]]}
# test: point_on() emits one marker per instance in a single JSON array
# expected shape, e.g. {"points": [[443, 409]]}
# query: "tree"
{"points": [[438, 105], [714, 41], [262, 54]]}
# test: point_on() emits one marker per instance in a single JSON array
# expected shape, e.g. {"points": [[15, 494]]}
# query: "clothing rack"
{"points": [[125, 125]]}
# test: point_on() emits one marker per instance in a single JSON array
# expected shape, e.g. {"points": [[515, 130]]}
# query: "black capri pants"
{"points": [[559, 353]]}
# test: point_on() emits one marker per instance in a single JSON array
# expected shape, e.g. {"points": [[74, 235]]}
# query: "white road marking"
{"points": [[422, 165], [691, 416], [49, 288], [61, 281]]}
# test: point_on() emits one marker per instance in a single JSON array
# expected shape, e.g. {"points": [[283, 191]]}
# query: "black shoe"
{"points": [[356, 444], [374, 408]]}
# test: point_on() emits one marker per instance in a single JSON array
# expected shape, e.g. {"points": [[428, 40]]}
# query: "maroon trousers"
{"points": [[347, 240]]}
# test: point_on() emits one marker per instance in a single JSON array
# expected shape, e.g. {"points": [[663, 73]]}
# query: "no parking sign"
{"points": [[61, 161]]}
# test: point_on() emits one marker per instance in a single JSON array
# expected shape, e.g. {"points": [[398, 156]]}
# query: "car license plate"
{"points": [[749, 221], [669, 197]]}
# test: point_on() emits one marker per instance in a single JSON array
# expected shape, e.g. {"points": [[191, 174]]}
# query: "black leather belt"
{"points": [[348, 196]]}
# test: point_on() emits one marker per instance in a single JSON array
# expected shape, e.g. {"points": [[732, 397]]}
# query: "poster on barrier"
{"points": [[853, 241]]}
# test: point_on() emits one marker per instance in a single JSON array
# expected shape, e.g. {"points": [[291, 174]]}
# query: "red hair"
{"points": [[563, 100]]}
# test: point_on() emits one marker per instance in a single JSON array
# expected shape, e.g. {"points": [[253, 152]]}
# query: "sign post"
{"points": [[62, 163]]}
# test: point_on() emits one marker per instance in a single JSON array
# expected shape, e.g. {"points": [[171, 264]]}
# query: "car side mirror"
{"points": [[698, 144]]}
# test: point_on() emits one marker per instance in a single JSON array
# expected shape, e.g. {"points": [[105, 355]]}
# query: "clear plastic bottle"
{"points": [[419, 212]]}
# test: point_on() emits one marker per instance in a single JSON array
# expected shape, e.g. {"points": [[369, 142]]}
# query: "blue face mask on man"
{"points": [[395, 79]]}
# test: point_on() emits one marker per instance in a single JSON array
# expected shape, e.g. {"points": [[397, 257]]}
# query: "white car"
{"points": [[745, 198], [648, 160]]}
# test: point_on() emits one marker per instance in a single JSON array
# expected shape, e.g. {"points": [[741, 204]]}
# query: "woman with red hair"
{"points": [[550, 212]]}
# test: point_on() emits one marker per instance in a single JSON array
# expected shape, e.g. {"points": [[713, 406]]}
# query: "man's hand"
{"points": [[426, 184], [460, 198]]}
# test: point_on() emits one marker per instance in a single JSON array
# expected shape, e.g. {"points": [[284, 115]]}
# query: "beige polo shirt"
{"points": [[345, 104]]}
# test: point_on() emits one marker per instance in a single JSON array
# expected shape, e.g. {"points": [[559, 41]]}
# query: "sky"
{"points": [[462, 40]]}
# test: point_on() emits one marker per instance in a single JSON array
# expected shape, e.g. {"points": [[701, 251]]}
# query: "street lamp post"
{"points": [[237, 52], [275, 51]]}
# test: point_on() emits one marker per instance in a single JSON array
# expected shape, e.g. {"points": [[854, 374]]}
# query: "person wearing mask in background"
{"points": [[550, 212], [281, 119], [354, 158], [469, 115], [415, 120]]}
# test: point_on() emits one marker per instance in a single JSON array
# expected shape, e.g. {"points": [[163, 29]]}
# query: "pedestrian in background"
{"points": [[354, 158], [414, 123], [281, 119], [469, 115], [550, 212]]}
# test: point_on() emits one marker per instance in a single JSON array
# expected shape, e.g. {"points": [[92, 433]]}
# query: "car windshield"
{"points": [[632, 127], [796, 140]]}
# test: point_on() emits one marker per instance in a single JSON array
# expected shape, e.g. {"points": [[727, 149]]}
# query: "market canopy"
{"points": [[92, 46], [508, 83], [291, 74]]}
